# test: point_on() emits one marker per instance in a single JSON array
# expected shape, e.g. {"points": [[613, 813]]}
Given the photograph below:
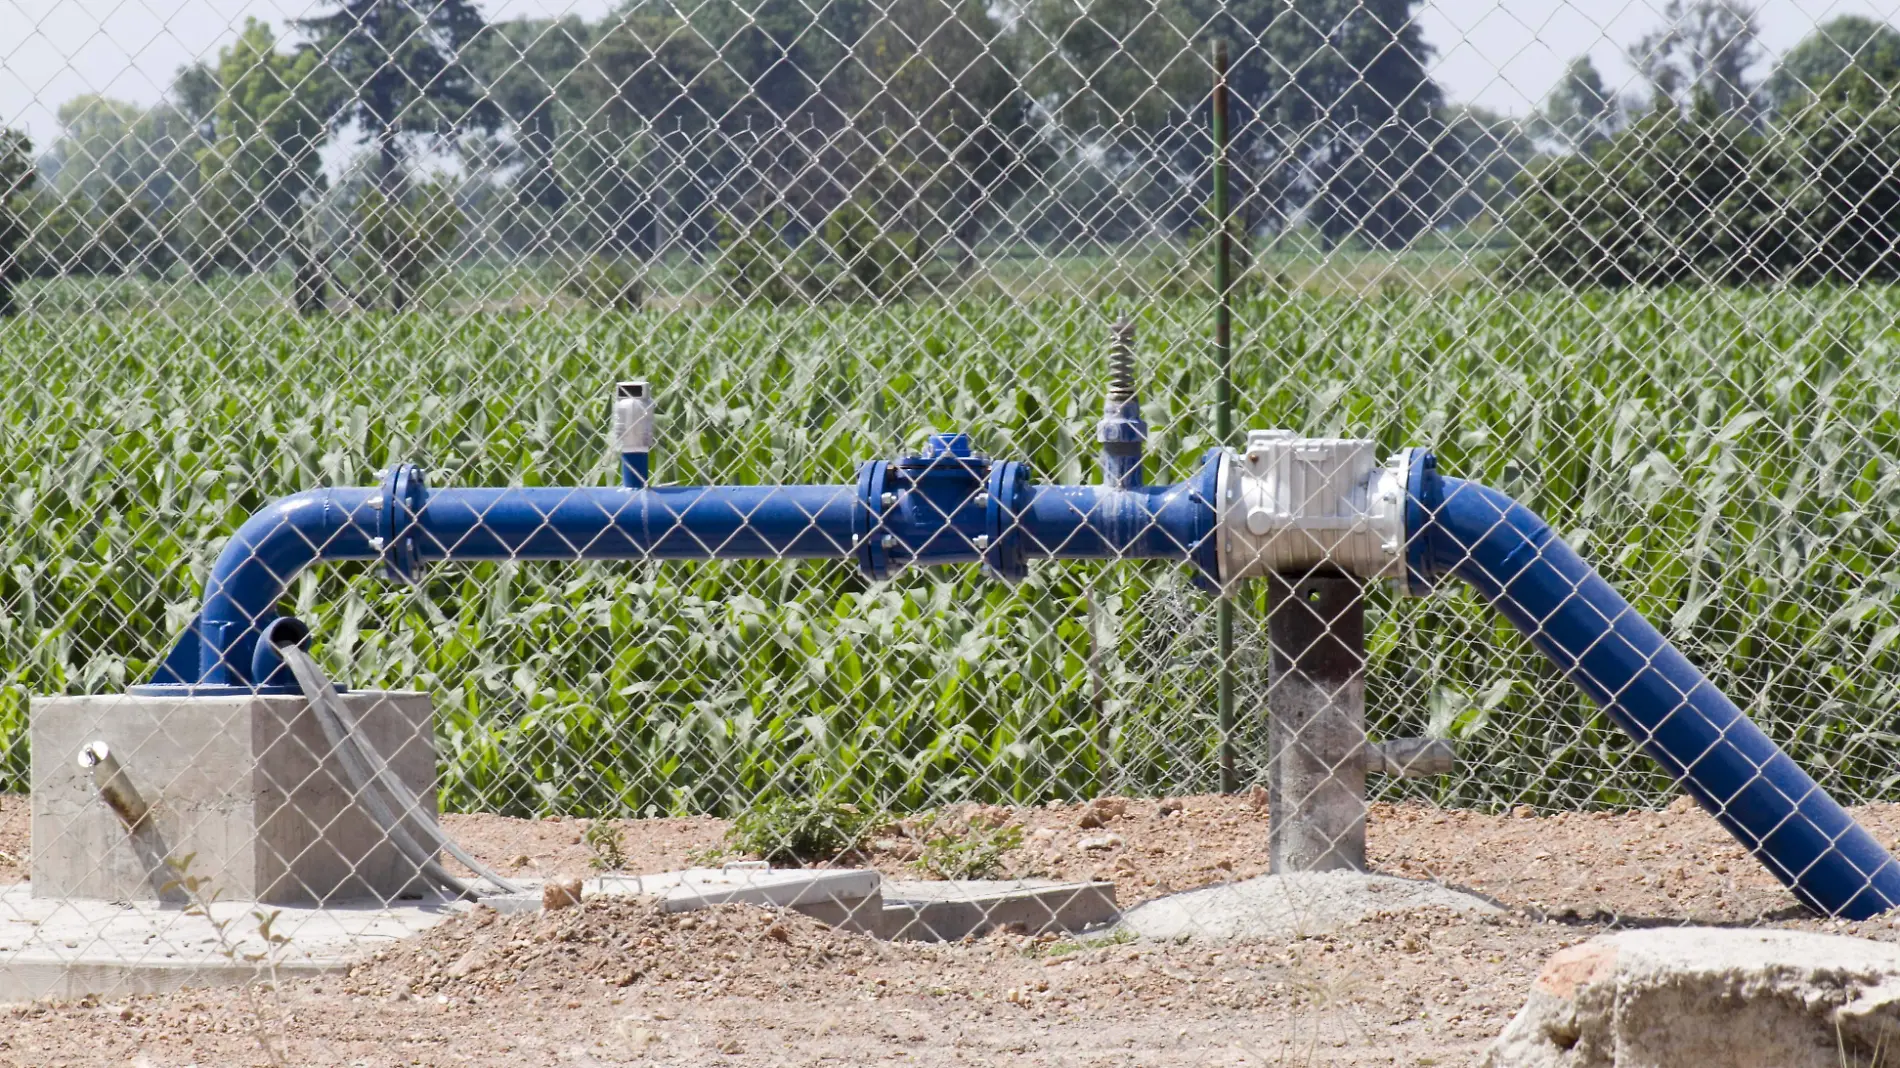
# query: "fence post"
{"points": [[1223, 405], [1316, 730]]}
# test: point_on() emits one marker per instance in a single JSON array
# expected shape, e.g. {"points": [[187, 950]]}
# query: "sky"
{"points": [[1503, 54]]}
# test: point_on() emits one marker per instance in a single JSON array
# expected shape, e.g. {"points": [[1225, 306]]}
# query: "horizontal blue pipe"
{"points": [[1650, 690], [330, 525], [1110, 523], [675, 523], [618, 523]]}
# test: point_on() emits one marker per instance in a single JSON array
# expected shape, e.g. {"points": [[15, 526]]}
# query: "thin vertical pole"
{"points": [[1224, 403]]}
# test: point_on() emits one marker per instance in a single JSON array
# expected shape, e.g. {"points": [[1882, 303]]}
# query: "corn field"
{"points": [[1746, 505]]}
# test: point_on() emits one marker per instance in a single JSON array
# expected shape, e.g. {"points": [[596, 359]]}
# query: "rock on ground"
{"points": [[1703, 995], [1295, 905]]}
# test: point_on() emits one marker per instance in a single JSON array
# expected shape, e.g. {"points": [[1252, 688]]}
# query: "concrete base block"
{"points": [[54, 949], [923, 911], [244, 785], [1696, 995]]}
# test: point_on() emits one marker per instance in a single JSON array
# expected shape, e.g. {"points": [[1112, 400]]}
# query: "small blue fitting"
{"points": [[955, 444]]}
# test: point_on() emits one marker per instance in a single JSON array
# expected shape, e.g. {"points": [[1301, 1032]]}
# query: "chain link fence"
{"points": [[1653, 304]]}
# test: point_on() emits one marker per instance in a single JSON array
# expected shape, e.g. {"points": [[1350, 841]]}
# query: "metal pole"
{"points": [[1316, 733], [1223, 405]]}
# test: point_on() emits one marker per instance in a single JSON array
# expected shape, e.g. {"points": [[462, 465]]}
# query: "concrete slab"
{"points": [[68, 949], [844, 897], [696, 888], [861, 900], [944, 911], [1295, 905]]}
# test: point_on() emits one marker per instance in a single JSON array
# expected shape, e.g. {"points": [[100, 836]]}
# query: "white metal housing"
{"points": [[633, 417], [1291, 504]]}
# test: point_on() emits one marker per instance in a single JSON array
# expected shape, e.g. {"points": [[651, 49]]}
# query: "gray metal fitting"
{"points": [[633, 417]]}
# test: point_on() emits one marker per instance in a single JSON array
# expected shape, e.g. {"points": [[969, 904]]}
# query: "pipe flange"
{"points": [[1005, 554], [405, 491], [867, 524], [1206, 553], [1422, 498]]}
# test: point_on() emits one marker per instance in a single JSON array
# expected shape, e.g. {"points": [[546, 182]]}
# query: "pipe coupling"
{"points": [[1292, 504]]}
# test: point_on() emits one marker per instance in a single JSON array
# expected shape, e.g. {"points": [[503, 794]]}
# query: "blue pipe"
{"points": [[633, 470], [1650, 690], [948, 505]]}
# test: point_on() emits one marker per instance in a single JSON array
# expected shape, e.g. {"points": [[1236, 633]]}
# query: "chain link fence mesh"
{"points": [[1655, 308]]}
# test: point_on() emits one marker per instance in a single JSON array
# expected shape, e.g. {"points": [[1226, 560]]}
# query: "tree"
{"points": [[1704, 50], [1850, 55], [1113, 69], [522, 66], [401, 243], [399, 69], [644, 97], [1705, 198], [1696, 198], [948, 117], [1843, 199], [1341, 115], [1580, 111], [107, 144], [16, 178], [263, 122], [1483, 153]]}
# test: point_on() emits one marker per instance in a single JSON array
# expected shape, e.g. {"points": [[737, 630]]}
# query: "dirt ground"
{"points": [[616, 983]]}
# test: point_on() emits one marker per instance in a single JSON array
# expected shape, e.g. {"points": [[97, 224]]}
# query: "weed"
{"points": [[972, 852], [1114, 936], [800, 830], [266, 1020], [605, 846]]}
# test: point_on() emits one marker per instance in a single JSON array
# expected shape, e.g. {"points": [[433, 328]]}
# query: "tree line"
{"points": [[854, 147], [1720, 177]]}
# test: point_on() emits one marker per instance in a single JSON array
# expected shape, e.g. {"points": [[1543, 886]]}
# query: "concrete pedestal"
{"points": [[244, 785], [1316, 736]]}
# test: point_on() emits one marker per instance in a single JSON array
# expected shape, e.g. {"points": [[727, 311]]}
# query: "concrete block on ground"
{"points": [[1677, 996], [68, 949], [1294, 905], [245, 784], [842, 897], [859, 899], [931, 911]]}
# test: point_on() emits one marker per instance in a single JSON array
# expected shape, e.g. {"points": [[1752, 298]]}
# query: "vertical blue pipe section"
{"points": [[633, 470], [1624, 664]]}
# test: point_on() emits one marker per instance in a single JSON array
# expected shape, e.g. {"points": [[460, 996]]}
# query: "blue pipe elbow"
{"points": [[1649, 689]]}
